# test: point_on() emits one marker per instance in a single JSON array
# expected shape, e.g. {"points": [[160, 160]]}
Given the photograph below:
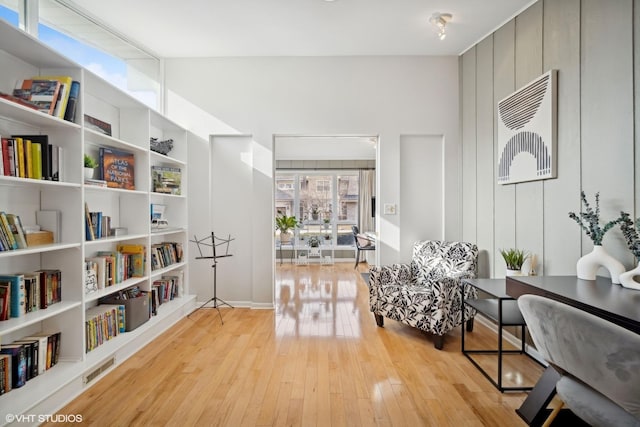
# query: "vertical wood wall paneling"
{"points": [[561, 51], [607, 113], [486, 170], [504, 84], [636, 84], [469, 141], [529, 195]]}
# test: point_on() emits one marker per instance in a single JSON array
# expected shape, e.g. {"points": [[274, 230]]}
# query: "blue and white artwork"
{"points": [[527, 132]]}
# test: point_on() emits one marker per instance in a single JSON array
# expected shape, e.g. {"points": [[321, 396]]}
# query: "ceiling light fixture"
{"points": [[440, 20]]}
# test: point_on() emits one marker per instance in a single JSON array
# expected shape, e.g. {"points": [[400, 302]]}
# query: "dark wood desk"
{"points": [[600, 297]]}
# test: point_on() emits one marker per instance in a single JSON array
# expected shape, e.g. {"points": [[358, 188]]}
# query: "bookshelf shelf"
{"points": [[39, 250], [17, 323], [35, 183], [115, 239], [159, 272], [161, 158], [167, 231], [133, 124], [94, 296], [23, 114]]}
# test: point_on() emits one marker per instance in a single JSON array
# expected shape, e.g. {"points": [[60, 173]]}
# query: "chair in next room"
{"points": [[363, 243]]}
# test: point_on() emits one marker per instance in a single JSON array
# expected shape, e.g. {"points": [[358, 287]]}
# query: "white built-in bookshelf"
{"points": [[132, 124]]}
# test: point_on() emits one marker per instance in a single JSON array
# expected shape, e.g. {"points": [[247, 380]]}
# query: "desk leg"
{"points": [[533, 409]]}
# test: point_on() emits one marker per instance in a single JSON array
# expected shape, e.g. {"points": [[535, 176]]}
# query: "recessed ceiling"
{"points": [[204, 28]]}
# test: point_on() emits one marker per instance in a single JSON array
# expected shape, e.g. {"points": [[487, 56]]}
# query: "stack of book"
{"points": [[166, 253], [103, 323], [53, 95], [24, 293], [97, 225], [12, 234], [108, 268], [26, 358], [31, 156]]}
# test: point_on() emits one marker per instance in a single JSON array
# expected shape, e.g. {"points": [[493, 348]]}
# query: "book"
{"points": [[17, 230], [20, 101], [55, 159], [41, 92], [5, 299], [74, 93], [137, 257], [63, 93], [18, 363], [32, 352], [7, 231], [50, 286], [5, 373], [45, 160], [19, 155], [90, 276], [117, 167], [43, 344], [95, 182], [18, 301], [101, 270], [166, 180], [11, 149], [89, 230], [97, 125]]}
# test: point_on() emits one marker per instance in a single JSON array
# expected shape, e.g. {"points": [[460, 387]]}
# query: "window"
{"points": [[9, 12], [323, 185], [100, 51], [311, 198]]}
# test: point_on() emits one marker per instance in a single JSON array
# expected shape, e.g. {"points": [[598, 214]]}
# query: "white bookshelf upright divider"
{"points": [[132, 126]]}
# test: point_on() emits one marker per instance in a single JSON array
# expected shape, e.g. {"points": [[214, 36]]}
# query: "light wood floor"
{"points": [[317, 360]]}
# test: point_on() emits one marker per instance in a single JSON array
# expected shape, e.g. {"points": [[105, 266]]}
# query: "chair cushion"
{"points": [[591, 406], [363, 240]]}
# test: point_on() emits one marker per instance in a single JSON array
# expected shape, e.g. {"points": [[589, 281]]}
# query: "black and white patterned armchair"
{"points": [[425, 294]]}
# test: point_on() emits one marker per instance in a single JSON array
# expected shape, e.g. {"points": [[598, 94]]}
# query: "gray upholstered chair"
{"points": [[426, 293], [599, 361]]}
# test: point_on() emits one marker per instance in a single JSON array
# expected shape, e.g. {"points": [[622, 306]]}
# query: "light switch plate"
{"points": [[389, 209]]}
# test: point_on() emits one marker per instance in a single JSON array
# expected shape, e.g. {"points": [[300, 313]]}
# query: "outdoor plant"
{"points": [[630, 233], [589, 220], [314, 241], [90, 162], [514, 258]]}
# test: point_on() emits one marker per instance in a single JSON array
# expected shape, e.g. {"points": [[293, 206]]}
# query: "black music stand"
{"points": [[213, 242]]}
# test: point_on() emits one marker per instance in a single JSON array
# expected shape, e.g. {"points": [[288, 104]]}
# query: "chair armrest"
{"points": [[383, 276], [394, 273]]}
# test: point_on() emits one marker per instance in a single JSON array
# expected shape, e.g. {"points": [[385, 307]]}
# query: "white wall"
{"points": [[385, 96]]}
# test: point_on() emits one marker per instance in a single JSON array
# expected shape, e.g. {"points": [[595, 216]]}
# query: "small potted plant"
{"points": [[90, 164], [285, 224], [313, 241], [630, 233], [514, 258]]}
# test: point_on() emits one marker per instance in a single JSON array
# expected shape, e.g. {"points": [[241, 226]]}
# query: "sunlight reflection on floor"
{"points": [[316, 301]]}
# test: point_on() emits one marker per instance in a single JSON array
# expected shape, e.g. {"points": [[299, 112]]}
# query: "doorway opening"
{"points": [[323, 186]]}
